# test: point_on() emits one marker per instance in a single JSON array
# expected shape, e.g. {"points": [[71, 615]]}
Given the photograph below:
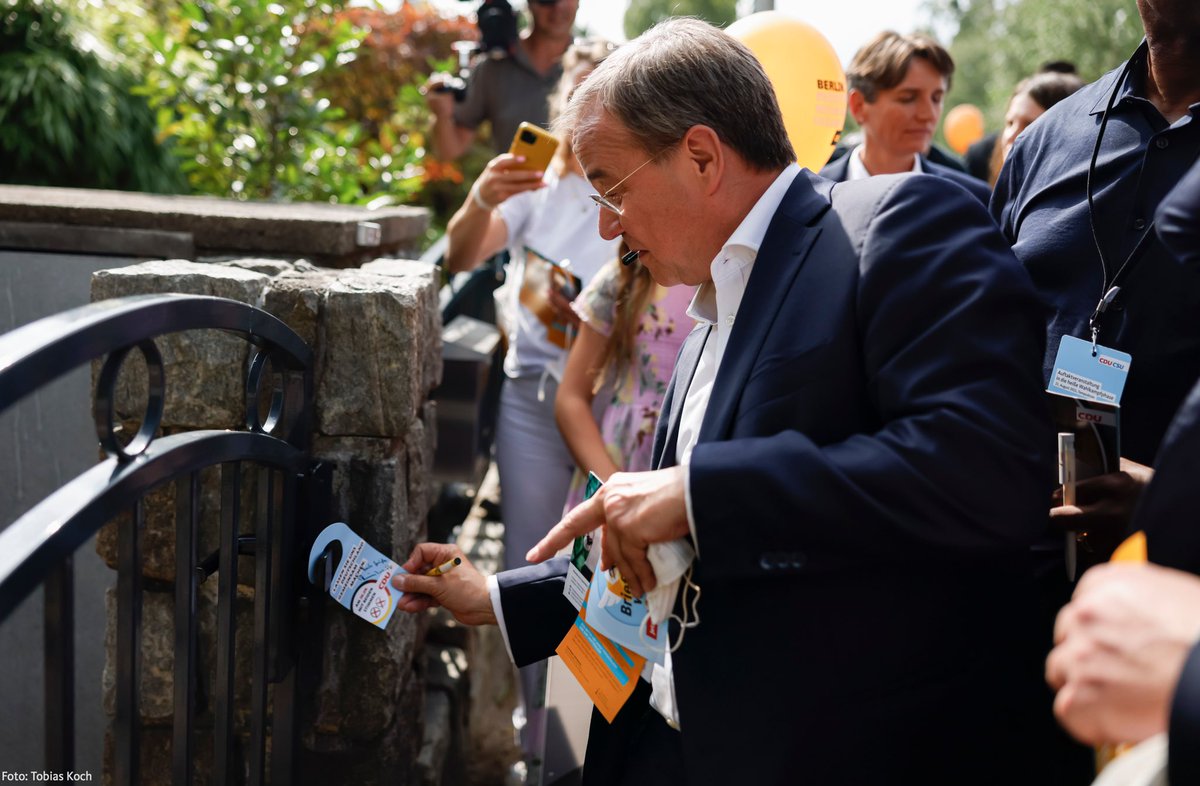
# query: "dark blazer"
{"points": [[839, 171], [1167, 512], [873, 465]]}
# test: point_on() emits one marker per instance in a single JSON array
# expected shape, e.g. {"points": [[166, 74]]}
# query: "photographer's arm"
{"points": [[450, 140]]}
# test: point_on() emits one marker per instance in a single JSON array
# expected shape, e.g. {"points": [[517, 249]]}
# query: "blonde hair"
{"points": [[582, 56], [634, 290]]}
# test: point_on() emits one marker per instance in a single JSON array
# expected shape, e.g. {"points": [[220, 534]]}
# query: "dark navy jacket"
{"points": [[1168, 509], [870, 473], [839, 170]]}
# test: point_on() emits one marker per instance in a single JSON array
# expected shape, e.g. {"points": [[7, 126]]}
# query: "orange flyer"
{"points": [[607, 672]]}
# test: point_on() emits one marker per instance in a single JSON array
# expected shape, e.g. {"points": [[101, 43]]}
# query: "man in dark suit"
{"points": [[856, 445], [1127, 660], [897, 86]]}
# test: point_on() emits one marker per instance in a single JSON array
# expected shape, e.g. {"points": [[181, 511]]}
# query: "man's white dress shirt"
{"points": [[716, 303]]}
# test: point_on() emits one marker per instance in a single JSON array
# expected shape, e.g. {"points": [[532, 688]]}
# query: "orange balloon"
{"points": [[808, 80], [963, 127]]}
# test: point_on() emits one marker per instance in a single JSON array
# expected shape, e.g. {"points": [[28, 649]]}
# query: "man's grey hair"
{"points": [[682, 73]]}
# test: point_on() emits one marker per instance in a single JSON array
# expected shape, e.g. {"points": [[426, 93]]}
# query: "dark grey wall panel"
{"points": [[46, 440]]}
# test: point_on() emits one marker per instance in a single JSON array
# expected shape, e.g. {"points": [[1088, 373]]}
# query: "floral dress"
{"points": [[627, 424]]}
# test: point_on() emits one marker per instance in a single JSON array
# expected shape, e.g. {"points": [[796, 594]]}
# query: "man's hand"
{"points": [[635, 509], [1104, 507], [463, 590], [1120, 647], [438, 97]]}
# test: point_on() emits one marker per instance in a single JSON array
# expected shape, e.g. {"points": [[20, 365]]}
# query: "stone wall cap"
{"points": [[219, 224], [177, 267]]}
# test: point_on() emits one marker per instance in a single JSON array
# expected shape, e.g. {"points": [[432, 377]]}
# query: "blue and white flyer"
{"points": [[362, 576], [624, 619]]}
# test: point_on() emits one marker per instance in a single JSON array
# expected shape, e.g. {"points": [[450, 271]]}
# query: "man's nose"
{"points": [[610, 224]]}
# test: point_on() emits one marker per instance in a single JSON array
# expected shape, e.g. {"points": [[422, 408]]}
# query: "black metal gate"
{"points": [[37, 548]]}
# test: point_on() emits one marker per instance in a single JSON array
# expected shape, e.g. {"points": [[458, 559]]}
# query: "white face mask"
{"points": [[672, 562]]}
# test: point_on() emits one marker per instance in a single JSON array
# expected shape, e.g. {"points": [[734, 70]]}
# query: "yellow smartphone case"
{"points": [[537, 146]]}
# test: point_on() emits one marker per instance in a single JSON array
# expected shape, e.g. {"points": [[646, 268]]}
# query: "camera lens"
{"points": [[528, 137]]}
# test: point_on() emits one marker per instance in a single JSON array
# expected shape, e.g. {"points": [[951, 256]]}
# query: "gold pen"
{"points": [[445, 567]]}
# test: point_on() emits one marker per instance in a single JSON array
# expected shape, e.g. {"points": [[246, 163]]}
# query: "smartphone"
{"points": [[536, 144]]}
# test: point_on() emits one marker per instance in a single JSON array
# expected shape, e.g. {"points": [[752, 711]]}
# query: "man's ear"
{"points": [[857, 103], [705, 156]]}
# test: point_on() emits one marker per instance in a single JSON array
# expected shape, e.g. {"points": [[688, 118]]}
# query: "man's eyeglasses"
{"points": [[613, 203]]}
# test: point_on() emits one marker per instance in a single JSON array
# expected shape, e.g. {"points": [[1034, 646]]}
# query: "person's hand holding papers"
{"points": [[635, 509]]}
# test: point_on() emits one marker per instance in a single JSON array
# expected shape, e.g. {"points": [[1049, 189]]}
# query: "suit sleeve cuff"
{"points": [[687, 500], [1183, 747], [493, 586]]}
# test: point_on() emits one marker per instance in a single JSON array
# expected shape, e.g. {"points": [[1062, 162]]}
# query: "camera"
{"points": [[457, 85], [497, 28], [497, 38], [497, 25]]}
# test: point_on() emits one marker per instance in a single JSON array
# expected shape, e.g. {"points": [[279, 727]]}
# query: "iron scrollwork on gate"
{"points": [[37, 548]]}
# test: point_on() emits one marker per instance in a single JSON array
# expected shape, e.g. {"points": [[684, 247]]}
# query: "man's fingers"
{"points": [[1065, 511], [428, 555], [419, 584], [1056, 674], [1064, 706], [581, 520], [636, 569], [1104, 487], [607, 550], [413, 604]]}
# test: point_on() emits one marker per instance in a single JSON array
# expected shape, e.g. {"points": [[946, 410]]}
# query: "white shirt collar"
{"points": [[857, 170], [740, 250]]}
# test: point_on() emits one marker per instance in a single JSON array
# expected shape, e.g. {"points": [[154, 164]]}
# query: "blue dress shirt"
{"points": [[1041, 205]]}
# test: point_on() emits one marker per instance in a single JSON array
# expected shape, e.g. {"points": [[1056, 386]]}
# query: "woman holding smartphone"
{"points": [[544, 219]]}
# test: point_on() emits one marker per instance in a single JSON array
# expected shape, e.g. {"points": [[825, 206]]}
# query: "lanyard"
{"points": [[1110, 288]]}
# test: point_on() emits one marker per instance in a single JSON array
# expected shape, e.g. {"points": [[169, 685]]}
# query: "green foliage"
{"points": [[644, 14], [299, 100], [67, 114], [379, 89], [264, 99], [1000, 42], [233, 85]]}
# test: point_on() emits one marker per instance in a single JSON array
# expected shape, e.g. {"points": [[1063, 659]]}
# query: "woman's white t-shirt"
{"points": [[557, 222]]}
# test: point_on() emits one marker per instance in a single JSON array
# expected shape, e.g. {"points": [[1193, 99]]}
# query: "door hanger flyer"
{"points": [[362, 576]]}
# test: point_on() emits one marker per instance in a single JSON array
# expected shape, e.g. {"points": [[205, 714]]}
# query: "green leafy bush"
{"points": [[67, 114], [297, 99], [232, 83]]}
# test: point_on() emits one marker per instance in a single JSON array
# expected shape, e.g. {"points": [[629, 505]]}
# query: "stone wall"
{"points": [[376, 336], [152, 225]]}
